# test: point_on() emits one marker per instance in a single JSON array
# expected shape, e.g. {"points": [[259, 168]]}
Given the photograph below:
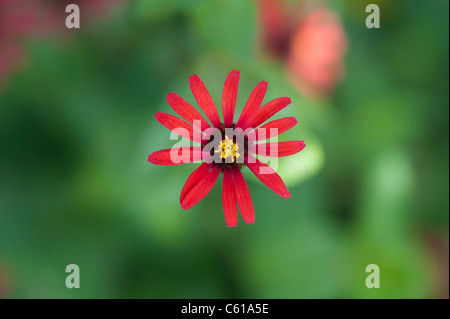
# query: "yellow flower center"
{"points": [[228, 149]]}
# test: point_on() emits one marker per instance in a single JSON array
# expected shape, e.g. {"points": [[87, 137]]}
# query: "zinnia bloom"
{"points": [[230, 148]]}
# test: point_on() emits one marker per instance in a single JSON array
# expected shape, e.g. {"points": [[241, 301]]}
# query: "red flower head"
{"points": [[227, 146]]}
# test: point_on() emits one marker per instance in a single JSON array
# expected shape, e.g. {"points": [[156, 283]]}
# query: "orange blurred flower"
{"points": [[310, 40]]}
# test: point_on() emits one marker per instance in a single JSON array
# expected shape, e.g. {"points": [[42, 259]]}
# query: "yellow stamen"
{"points": [[228, 149]]}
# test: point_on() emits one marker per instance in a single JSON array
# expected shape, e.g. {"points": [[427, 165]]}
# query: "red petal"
{"points": [[243, 196], [179, 126], [186, 111], [229, 199], [282, 125], [268, 110], [172, 156], [199, 191], [194, 178], [229, 96], [253, 104], [278, 149], [270, 178], [204, 100]]}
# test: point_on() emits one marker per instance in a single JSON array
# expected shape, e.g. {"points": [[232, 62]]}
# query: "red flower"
{"points": [[229, 148]]}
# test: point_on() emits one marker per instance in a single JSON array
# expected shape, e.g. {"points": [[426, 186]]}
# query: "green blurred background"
{"points": [[76, 127]]}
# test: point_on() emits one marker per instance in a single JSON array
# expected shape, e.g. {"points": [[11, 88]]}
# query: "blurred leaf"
{"points": [[157, 10], [227, 26], [304, 165]]}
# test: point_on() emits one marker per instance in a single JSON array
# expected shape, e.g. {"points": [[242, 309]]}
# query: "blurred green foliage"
{"points": [[76, 126]]}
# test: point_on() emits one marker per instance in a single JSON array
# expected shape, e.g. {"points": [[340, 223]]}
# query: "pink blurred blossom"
{"points": [[21, 20], [16, 22], [310, 41]]}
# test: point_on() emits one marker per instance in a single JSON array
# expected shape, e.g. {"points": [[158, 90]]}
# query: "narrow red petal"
{"points": [[274, 128], [176, 156], [187, 111], [278, 149], [229, 199], [243, 196], [194, 178], [229, 96], [253, 104], [179, 126], [268, 176], [199, 191], [268, 110], [204, 100]]}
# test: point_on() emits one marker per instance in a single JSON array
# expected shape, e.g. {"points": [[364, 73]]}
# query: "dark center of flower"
{"points": [[230, 149]]}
